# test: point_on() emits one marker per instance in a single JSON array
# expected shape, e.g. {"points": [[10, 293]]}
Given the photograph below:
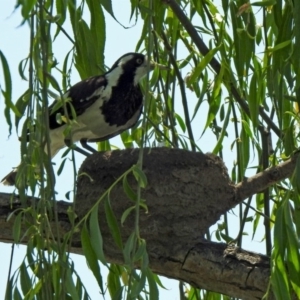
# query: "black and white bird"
{"points": [[105, 106]]}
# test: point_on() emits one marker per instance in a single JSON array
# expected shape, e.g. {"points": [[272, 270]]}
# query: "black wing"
{"points": [[81, 95]]}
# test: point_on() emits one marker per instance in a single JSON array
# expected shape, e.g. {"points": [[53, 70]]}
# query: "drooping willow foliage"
{"points": [[234, 73]]}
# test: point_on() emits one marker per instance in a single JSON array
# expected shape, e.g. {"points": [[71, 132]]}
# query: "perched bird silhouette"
{"points": [[105, 106]]}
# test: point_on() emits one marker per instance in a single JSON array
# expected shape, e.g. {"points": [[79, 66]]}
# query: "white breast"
{"points": [[91, 124]]}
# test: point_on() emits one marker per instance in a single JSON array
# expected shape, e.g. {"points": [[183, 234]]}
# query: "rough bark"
{"points": [[186, 194]]}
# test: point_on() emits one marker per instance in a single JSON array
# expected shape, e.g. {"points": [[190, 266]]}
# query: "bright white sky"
{"points": [[14, 43]]}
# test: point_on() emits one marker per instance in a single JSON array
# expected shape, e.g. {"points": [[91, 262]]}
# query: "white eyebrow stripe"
{"points": [[125, 59]]}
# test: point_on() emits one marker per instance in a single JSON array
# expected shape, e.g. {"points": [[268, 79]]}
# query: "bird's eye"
{"points": [[139, 61]]}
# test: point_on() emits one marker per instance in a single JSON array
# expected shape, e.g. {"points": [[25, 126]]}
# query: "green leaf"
{"points": [[143, 35], [27, 7], [296, 176], [119, 294], [83, 57], [214, 103], [35, 289], [247, 129], [112, 223], [237, 42], [288, 140], [113, 282], [91, 256], [128, 249], [25, 281], [140, 251], [244, 153], [108, 7], [254, 101], [7, 92], [219, 144], [22, 68], [98, 31], [10, 288], [279, 46], [157, 280], [21, 105], [17, 295], [153, 289], [138, 285], [279, 280], [104, 146], [139, 176], [61, 9], [54, 83], [56, 278], [203, 64], [127, 139], [29, 255], [126, 214], [181, 122], [61, 167], [257, 215], [17, 227], [128, 190], [65, 76], [293, 259], [279, 232], [203, 91], [296, 39], [96, 236], [70, 286]]}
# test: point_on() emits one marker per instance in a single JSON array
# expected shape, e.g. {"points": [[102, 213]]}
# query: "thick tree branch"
{"points": [[266, 178], [208, 265], [186, 193]]}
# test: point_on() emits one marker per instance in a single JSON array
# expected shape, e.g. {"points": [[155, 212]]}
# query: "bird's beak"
{"points": [[154, 64]]}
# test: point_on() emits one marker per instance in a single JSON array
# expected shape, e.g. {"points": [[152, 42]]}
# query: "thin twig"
{"points": [[265, 165], [183, 94]]}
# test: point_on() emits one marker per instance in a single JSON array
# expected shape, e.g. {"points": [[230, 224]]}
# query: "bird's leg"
{"points": [[73, 146], [85, 145]]}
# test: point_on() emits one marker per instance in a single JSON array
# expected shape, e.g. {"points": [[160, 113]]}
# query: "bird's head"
{"points": [[134, 66]]}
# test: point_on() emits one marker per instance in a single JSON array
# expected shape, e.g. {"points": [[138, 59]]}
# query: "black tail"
{"points": [[10, 178]]}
